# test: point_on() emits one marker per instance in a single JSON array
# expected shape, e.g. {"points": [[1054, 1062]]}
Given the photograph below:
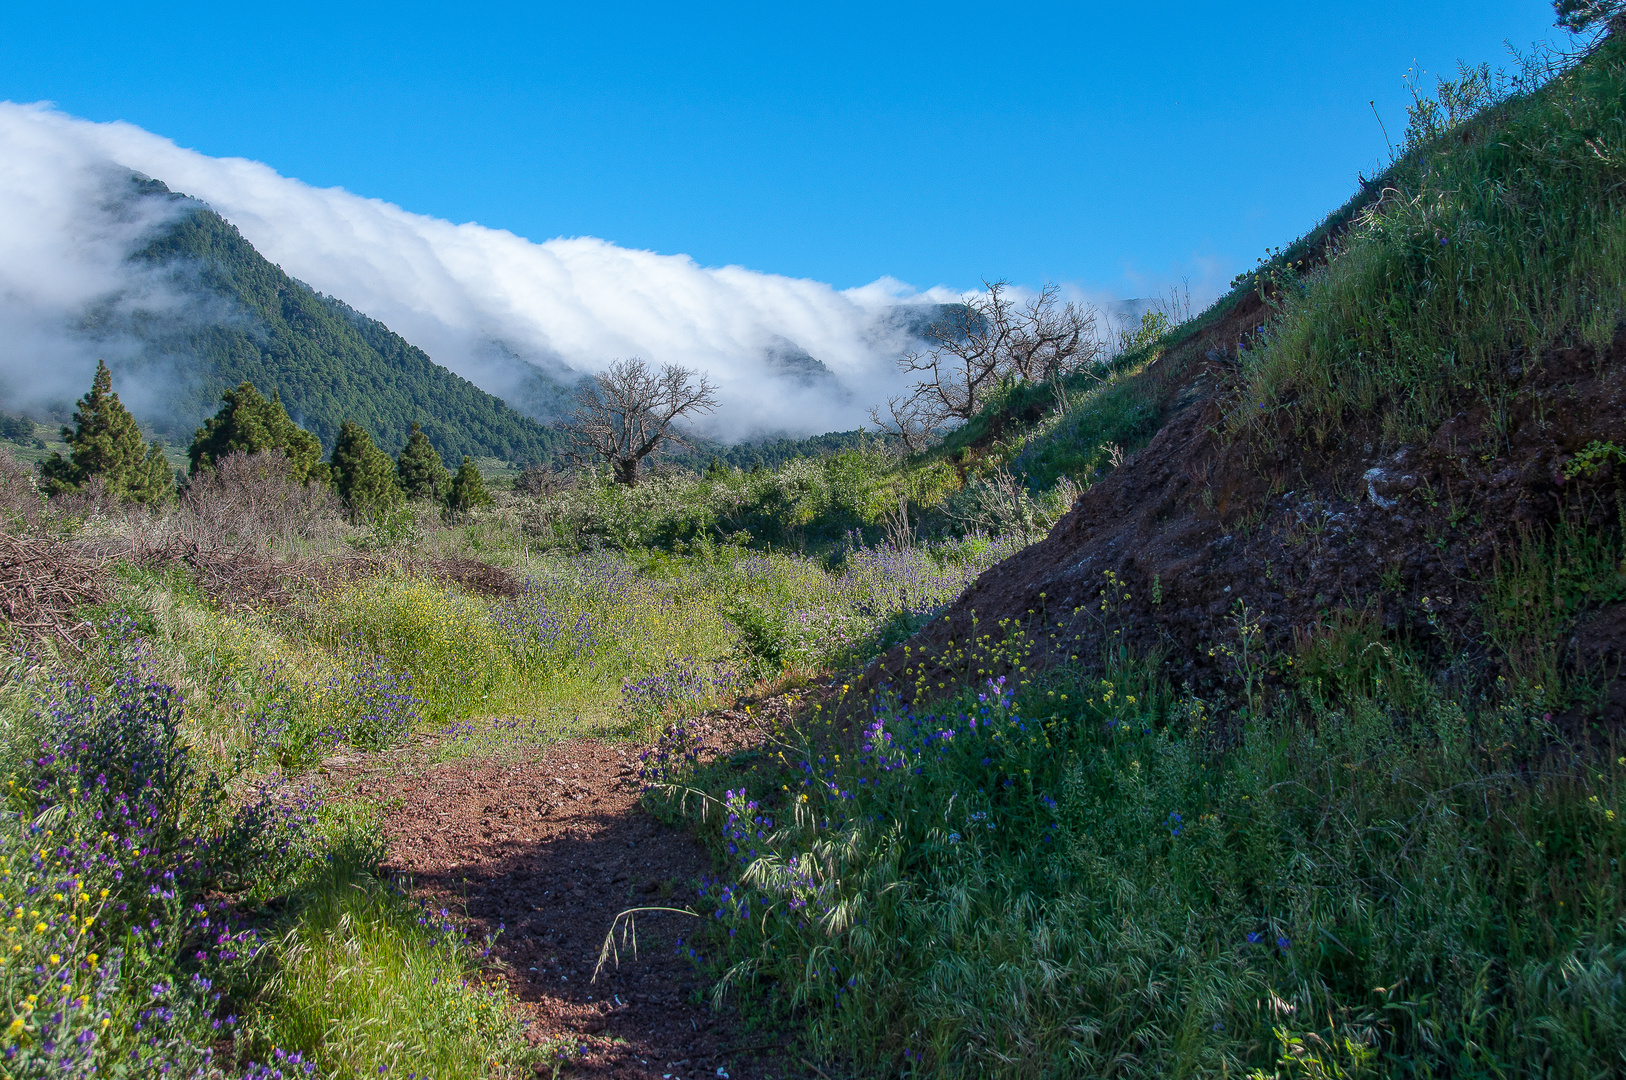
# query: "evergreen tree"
{"points": [[250, 422], [468, 489], [420, 471], [363, 474], [105, 441], [152, 480]]}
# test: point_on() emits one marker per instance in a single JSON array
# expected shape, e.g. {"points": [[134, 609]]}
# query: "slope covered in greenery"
{"points": [[1295, 749], [328, 362]]}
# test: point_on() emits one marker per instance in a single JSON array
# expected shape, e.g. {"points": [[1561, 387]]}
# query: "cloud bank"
{"points": [[790, 355]]}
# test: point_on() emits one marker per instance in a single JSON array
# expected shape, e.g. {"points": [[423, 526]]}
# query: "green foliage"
{"points": [[326, 361], [1592, 457], [1540, 585], [106, 443], [419, 470], [764, 638], [19, 429], [855, 497], [248, 422], [467, 490], [1071, 877], [1153, 325], [363, 475], [773, 453], [1495, 236], [368, 982]]}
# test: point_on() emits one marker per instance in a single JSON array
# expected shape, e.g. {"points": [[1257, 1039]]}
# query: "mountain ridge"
{"points": [[246, 320]]}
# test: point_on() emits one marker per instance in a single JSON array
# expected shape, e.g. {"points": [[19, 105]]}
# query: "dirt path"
{"points": [[550, 844]]}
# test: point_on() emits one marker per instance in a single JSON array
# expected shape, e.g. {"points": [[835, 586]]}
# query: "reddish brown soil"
{"points": [[1196, 523], [550, 844]]}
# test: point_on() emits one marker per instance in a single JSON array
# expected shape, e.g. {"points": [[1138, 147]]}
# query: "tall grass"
{"points": [[1494, 240], [1066, 877], [369, 984]]}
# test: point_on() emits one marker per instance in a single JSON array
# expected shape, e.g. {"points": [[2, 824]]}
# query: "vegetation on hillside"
{"points": [[326, 362], [1358, 853], [1500, 234], [1355, 857]]}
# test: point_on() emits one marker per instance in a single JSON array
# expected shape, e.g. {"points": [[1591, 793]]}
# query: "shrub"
{"points": [[113, 839], [255, 500]]}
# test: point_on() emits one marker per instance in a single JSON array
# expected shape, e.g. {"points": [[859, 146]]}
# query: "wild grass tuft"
{"points": [[1493, 240], [369, 984]]}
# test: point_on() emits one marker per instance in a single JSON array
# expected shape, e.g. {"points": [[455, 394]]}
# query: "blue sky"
{"points": [[1116, 147]]}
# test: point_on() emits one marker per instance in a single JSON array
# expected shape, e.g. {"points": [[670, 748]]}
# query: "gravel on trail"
{"points": [[550, 844]]}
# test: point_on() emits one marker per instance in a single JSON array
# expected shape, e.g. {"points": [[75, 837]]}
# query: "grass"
{"points": [[1074, 877], [367, 983], [1494, 240]]}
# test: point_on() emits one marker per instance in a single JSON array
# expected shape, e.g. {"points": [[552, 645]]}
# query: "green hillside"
{"points": [[327, 361]]}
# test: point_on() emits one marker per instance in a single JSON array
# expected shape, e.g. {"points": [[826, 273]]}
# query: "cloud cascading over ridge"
{"points": [[791, 355]]}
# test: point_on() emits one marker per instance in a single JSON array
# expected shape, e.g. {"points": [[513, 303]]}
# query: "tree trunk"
{"points": [[626, 471]]}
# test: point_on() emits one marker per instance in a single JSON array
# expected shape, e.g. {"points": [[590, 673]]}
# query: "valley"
{"points": [[1235, 692]]}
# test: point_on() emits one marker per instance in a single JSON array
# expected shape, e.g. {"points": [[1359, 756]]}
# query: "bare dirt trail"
{"points": [[549, 844]]}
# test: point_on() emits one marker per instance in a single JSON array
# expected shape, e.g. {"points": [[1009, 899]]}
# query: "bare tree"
{"points": [[985, 340], [1052, 341], [969, 351], [909, 419], [628, 412]]}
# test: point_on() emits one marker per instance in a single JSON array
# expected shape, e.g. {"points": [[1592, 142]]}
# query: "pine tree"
{"points": [[363, 474], [105, 441], [153, 480], [250, 422], [420, 471], [468, 489]]}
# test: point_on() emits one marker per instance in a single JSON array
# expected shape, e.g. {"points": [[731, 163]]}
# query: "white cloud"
{"points": [[464, 293]]}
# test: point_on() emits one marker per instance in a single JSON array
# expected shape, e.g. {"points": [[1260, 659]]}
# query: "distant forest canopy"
{"points": [[328, 362], [772, 453]]}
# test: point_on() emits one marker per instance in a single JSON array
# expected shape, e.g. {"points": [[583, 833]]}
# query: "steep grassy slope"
{"points": [[1388, 426], [328, 362], [1295, 749]]}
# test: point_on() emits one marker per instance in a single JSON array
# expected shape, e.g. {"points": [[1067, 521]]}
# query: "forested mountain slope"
{"points": [[328, 362]]}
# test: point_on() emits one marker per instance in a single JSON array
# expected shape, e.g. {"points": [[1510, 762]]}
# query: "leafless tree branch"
{"points": [[628, 412], [990, 338]]}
